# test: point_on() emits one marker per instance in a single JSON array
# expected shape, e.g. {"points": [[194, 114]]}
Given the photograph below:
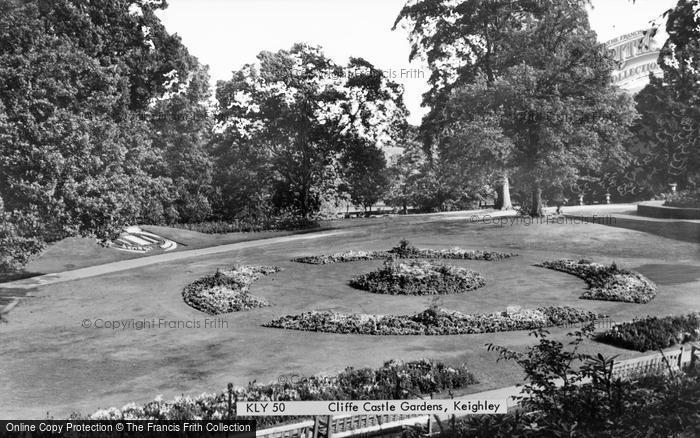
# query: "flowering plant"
{"points": [[227, 291], [607, 283]]}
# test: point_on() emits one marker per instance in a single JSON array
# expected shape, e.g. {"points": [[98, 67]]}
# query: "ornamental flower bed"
{"points": [[342, 257], [405, 251], [394, 380], [608, 283], [653, 333], [434, 321], [418, 278], [227, 291]]}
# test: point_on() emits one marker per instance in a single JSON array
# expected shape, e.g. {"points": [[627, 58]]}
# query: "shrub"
{"points": [[433, 321], [394, 380], [653, 333], [227, 291], [418, 278], [608, 283], [684, 199], [568, 393], [282, 222]]}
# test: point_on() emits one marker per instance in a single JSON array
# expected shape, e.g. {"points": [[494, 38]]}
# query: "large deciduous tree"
{"points": [[546, 92], [79, 81], [668, 132], [296, 113]]}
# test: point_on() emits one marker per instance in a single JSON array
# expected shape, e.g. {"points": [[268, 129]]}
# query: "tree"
{"points": [[462, 43], [405, 172], [78, 80], [541, 64], [303, 111], [667, 135], [366, 174], [182, 129]]}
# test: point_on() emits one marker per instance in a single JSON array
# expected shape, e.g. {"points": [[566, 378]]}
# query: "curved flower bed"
{"points": [[653, 333], [608, 283], [227, 291], [342, 257], [405, 251], [394, 380], [434, 321], [418, 278]]}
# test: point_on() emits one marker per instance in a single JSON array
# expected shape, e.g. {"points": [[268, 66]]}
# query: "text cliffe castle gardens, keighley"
{"points": [[371, 407]]}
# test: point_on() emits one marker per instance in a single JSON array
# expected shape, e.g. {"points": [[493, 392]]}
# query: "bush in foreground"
{"points": [[394, 380], [227, 291], [434, 321], [653, 333], [570, 394], [418, 278], [608, 283], [405, 251]]}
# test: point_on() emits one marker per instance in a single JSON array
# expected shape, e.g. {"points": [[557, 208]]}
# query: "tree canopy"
{"points": [[297, 115]]}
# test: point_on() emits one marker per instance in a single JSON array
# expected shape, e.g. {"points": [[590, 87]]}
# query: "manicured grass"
{"points": [[51, 363]]}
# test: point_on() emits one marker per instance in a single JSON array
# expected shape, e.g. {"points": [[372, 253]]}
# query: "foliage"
{"points": [[608, 283], [418, 278], [569, 393], [282, 222], [405, 173], [227, 291], [433, 321], [394, 380], [684, 199], [81, 86], [297, 115], [366, 176], [668, 133], [653, 333], [520, 88]]}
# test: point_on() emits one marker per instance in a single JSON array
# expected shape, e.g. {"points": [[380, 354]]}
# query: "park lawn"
{"points": [[58, 366]]}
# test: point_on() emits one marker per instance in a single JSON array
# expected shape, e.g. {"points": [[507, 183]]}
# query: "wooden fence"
{"points": [[344, 426]]}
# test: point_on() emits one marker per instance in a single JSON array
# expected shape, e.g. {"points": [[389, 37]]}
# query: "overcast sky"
{"points": [[225, 34]]}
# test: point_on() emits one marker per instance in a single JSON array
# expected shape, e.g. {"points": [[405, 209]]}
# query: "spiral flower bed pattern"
{"points": [[418, 278], [227, 291], [608, 283], [434, 321]]}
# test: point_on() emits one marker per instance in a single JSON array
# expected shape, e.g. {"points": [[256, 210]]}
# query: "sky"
{"points": [[226, 34]]}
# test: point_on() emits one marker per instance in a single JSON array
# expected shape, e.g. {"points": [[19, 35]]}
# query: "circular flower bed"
{"points": [[405, 251], [418, 278], [227, 291], [608, 283], [434, 321]]}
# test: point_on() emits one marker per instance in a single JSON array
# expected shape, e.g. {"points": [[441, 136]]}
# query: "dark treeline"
{"points": [[107, 120]]}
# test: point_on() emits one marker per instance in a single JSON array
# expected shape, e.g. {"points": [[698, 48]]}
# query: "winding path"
{"points": [[108, 268]]}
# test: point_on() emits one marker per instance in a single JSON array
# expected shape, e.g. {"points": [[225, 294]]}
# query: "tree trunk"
{"points": [[503, 195], [537, 210]]}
